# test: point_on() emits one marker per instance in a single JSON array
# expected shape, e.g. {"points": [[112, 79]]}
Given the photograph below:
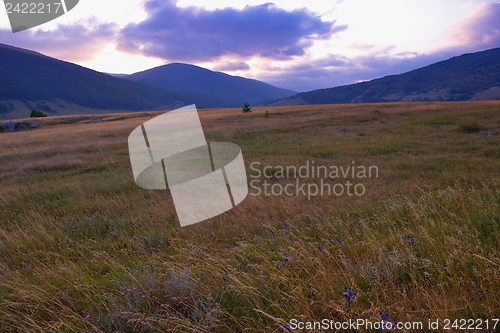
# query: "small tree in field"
{"points": [[246, 108], [36, 114]]}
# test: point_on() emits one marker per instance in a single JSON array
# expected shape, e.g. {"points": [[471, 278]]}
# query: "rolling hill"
{"points": [[31, 80], [474, 76], [184, 77]]}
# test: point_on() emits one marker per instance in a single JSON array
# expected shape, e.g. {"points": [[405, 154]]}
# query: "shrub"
{"points": [[471, 126], [266, 115], [36, 114], [246, 108]]}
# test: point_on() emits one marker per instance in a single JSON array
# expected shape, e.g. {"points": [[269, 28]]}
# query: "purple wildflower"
{"points": [[409, 239], [387, 325], [349, 295]]}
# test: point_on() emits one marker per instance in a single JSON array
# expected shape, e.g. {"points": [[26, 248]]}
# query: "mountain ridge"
{"points": [[470, 76], [32, 80], [29, 78], [187, 77]]}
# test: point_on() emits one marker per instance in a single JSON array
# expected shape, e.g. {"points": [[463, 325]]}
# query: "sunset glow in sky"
{"points": [[329, 43]]}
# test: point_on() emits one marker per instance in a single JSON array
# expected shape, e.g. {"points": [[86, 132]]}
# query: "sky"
{"points": [[297, 45]]}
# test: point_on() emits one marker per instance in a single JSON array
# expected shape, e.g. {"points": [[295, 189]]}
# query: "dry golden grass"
{"points": [[76, 232]]}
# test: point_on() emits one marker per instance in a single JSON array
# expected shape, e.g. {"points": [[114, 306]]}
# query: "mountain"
{"points": [[184, 77], [474, 76], [31, 80]]}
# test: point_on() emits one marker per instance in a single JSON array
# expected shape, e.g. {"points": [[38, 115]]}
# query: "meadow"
{"points": [[83, 249]]}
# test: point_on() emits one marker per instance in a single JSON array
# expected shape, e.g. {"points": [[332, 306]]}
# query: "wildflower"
{"points": [[226, 246], [86, 317], [286, 327], [320, 248], [349, 295], [409, 239], [387, 325], [462, 238], [122, 293], [320, 218], [285, 223], [329, 239], [63, 293], [339, 240], [134, 289], [285, 260], [143, 296], [225, 277]]}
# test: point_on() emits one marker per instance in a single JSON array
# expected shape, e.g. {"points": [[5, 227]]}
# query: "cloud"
{"points": [[196, 34], [74, 42], [479, 30]]}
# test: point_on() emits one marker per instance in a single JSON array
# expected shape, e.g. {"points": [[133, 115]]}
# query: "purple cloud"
{"points": [[196, 34], [477, 32], [74, 42], [480, 30]]}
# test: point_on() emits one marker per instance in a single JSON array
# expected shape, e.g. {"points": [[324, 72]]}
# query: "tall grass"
{"points": [[82, 249]]}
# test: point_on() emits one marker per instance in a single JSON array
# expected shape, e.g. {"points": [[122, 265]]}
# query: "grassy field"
{"points": [[83, 249]]}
